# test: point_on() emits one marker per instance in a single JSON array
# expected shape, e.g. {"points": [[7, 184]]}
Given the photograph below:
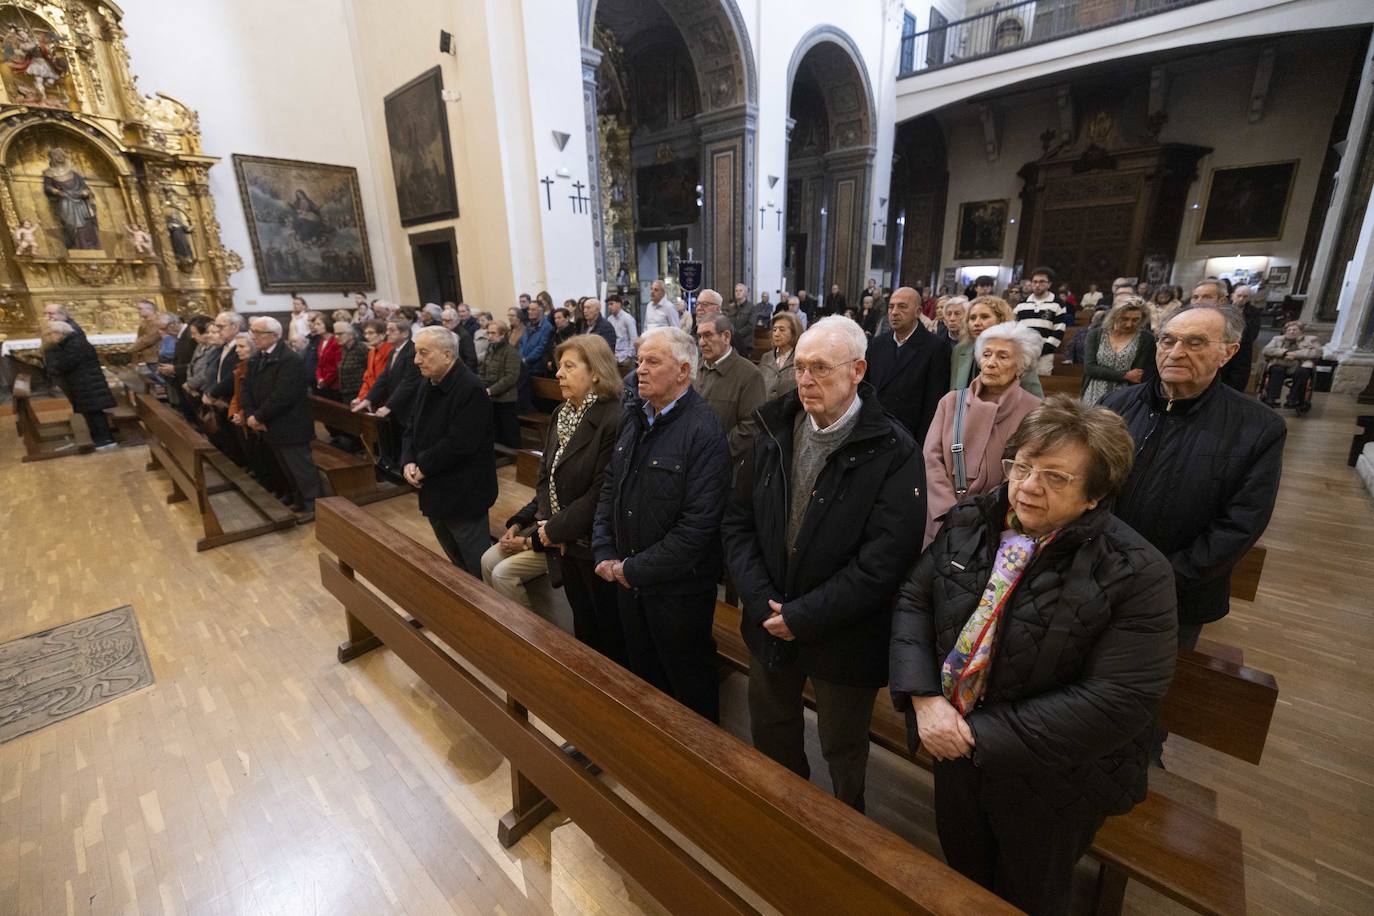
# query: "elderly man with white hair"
{"points": [[273, 401], [818, 537], [447, 452], [657, 529], [964, 446], [71, 361]]}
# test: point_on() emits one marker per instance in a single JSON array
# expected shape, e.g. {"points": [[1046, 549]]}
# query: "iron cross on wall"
{"points": [[547, 182], [579, 200]]}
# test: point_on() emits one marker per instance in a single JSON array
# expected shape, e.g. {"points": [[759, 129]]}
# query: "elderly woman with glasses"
{"points": [[1031, 645], [979, 315], [1119, 352], [963, 449]]}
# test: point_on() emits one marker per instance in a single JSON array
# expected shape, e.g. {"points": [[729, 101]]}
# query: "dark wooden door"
{"points": [[434, 256], [1086, 244]]}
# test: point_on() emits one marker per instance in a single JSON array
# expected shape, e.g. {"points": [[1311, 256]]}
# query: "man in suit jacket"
{"points": [[908, 366], [273, 402], [448, 450], [394, 391]]}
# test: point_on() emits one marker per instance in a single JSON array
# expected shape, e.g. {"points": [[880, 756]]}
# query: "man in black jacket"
{"points": [[1236, 372], [657, 529], [1208, 461], [394, 391], [907, 366], [818, 539], [448, 452], [273, 402]]}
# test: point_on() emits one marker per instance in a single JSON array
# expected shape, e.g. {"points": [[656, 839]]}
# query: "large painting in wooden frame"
{"points": [[1247, 203], [421, 157], [982, 230], [306, 225]]}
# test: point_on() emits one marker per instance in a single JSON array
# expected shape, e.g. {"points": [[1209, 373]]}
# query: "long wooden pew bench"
{"points": [[536, 422], [231, 504], [1184, 853], [757, 836], [350, 475], [47, 439]]}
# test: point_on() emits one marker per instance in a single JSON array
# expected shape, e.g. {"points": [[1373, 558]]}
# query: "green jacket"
{"points": [[501, 371]]}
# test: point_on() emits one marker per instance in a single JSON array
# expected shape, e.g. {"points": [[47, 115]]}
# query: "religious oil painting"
{"points": [[421, 158], [1248, 203], [305, 220], [982, 228], [36, 71]]}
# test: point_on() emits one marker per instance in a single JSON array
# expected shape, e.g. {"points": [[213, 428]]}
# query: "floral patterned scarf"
{"points": [[964, 675], [566, 425]]}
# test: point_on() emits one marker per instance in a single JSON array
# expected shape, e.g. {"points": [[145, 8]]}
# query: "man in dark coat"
{"points": [[657, 529], [1236, 372], [597, 323], [1207, 467], [1208, 462], [835, 303], [817, 539], [393, 392], [273, 401], [907, 366], [71, 361], [448, 450]]}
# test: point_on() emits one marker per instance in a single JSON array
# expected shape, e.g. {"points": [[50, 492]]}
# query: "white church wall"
{"points": [[268, 79], [776, 30]]}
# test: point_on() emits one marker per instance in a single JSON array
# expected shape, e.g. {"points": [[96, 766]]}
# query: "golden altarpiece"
{"points": [[104, 191]]}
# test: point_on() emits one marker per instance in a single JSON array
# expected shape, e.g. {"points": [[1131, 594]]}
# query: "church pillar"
{"points": [[1352, 341], [727, 181], [1346, 203], [591, 59]]}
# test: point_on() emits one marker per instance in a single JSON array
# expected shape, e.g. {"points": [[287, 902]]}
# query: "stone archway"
{"points": [[721, 132], [832, 132]]}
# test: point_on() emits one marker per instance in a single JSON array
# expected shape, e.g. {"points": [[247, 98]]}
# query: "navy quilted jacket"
{"points": [[663, 498]]}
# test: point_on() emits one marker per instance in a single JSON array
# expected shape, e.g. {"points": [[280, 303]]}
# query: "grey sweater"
{"points": [[811, 448]]}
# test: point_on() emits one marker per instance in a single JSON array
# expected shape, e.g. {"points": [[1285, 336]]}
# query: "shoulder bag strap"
{"points": [[957, 445]]}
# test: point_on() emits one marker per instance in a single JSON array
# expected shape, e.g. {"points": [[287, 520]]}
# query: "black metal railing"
{"points": [[1010, 26]]}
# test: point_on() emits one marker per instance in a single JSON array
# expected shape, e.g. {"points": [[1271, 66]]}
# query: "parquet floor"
{"points": [[260, 776]]}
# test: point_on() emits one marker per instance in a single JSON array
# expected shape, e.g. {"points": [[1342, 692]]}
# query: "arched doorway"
{"points": [[669, 92], [920, 185], [830, 152]]}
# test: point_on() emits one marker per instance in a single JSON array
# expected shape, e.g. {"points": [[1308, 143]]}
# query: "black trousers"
{"points": [[506, 420], [843, 716], [1274, 378], [669, 644], [99, 425], [595, 608], [464, 540], [1027, 861], [301, 472]]}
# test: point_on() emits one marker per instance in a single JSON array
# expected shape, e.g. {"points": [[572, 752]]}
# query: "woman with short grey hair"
{"points": [[963, 449]]}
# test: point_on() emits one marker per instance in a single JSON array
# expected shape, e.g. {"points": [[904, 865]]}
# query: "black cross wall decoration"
{"points": [[547, 182], [579, 200]]}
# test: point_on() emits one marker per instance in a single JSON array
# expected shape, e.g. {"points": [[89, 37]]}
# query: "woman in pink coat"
{"points": [[994, 404]]}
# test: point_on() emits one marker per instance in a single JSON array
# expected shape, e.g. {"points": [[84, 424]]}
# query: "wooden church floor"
{"points": [[259, 776]]}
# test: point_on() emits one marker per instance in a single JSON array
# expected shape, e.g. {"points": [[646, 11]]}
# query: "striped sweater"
{"points": [[1046, 316]]}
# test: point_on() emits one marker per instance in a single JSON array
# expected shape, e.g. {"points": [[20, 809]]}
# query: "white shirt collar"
{"points": [[716, 364], [904, 339]]}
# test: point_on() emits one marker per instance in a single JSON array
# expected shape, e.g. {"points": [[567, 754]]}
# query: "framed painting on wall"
{"points": [[982, 229], [1248, 203], [1279, 276], [305, 222], [421, 158]]}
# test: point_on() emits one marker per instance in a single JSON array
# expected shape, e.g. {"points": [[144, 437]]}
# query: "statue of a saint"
{"points": [[72, 200], [179, 231]]}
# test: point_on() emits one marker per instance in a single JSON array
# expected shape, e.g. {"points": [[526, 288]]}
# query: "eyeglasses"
{"points": [[819, 371], [1192, 344], [1019, 471]]}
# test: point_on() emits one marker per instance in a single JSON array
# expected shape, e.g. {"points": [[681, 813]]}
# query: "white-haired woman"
{"points": [[980, 419]]}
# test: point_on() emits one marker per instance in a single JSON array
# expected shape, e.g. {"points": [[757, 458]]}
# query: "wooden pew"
{"points": [[770, 832], [46, 439], [537, 421], [1179, 851], [353, 476], [231, 504]]}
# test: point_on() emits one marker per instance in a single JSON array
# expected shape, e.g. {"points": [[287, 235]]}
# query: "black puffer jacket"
{"points": [[1203, 486], [663, 498], [1084, 653], [851, 552], [74, 364]]}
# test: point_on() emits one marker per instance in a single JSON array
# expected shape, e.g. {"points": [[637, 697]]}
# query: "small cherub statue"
{"points": [[143, 242], [25, 238]]}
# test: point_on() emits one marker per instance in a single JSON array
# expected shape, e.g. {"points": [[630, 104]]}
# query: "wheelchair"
{"points": [[1275, 377]]}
